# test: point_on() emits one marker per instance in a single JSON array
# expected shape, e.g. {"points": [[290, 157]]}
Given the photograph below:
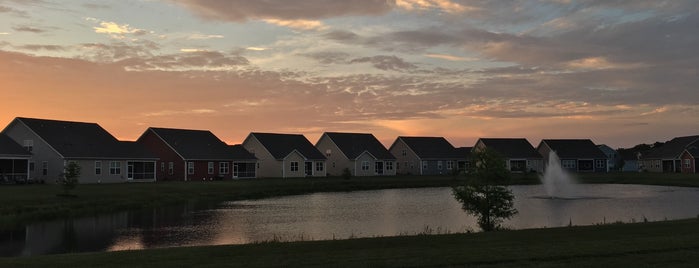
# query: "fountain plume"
{"points": [[557, 182]]}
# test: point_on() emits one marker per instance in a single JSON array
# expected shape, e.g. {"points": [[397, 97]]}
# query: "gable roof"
{"points": [[464, 152], [281, 145], [431, 147], [198, 144], [354, 144], [239, 152], [8, 147], [511, 147], [575, 148], [671, 149], [83, 140]]}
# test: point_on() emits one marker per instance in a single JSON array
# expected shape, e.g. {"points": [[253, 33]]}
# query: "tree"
{"points": [[70, 177], [483, 194]]}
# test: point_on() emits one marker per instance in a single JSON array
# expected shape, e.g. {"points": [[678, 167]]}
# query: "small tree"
{"points": [[483, 194], [70, 177]]}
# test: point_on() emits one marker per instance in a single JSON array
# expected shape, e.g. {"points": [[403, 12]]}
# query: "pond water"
{"points": [[323, 216]]}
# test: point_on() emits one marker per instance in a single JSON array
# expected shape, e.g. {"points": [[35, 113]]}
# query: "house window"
{"points": [[529, 163], [29, 145], [45, 168], [365, 165], [568, 163], [98, 167], [190, 168], [319, 166], [328, 152], [31, 166], [114, 168], [656, 163], [162, 166], [403, 153], [294, 166], [210, 168], [450, 165], [389, 165], [170, 168], [333, 164], [424, 165], [599, 163], [687, 163], [223, 167], [439, 165], [397, 165]]}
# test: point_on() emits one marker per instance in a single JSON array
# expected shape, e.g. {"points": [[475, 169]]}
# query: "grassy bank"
{"points": [[655, 244], [24, 203]]}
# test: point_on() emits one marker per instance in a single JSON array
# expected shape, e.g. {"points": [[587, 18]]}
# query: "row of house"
{"points": [[38, 149]]}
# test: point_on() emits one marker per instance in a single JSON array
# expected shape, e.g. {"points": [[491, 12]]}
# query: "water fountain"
{"points": [[557, 182]]}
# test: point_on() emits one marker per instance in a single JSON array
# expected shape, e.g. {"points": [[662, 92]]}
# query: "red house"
{"points": [[187, 155], [689, 158]]}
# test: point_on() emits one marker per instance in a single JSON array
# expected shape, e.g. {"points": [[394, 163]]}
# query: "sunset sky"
{"points": [[617, 72]]}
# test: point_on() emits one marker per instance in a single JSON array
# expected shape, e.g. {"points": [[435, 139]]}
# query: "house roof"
{"points": [[671, 149], [354, 144], [198, 144], [693, 149], [281, 145], [431, 147], [575, 148], [511, 147], [8, 147], [241, 153], [83, 140], [464, 152]]}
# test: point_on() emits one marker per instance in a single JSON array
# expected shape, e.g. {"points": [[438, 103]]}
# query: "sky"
{"points": [[617, 72]]}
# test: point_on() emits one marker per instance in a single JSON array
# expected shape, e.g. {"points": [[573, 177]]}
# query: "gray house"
{"points": [[426, 156], [103, 158], [576, 155], [519, 154], [362, 154], [285, 155], [613, 157], [14, 161]]}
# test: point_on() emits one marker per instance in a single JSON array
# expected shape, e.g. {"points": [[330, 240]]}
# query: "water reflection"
{"points": [[339, 216]]}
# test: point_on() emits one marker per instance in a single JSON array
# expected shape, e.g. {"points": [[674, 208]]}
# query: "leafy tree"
{"points": [[70, 177], [483, 194]]}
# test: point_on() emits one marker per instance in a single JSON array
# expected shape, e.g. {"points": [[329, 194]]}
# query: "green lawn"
{"points": [[655, 244]]}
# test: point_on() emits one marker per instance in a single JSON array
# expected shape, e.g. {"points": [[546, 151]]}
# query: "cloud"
{"points": [[448, 57], [204, 36], [201, 111], [28, 29], [444, 5], [42, 47], [256, 48], [386, 63], [298, 24], [118, 31], [283, 10]]}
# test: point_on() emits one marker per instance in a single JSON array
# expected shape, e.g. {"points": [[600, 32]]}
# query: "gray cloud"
{"points": [[386, 63], [30, 29], [42, 47], [242, 10]]}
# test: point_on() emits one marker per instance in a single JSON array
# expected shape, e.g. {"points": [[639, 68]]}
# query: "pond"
{"points": [[345, 215]]}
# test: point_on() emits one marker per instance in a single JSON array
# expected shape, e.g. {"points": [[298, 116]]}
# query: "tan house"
{"points": [[519, 154], [285, 155], [427, 156], [667, 158], [362, 154]]}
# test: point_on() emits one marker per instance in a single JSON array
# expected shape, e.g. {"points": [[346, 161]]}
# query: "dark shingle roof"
{"points": [[354, 144], [281, 145], [8, 147], [198, 144], [575, 148], [511, 147], [431, 147], [671, 149], [82, 140], [239, 152], [463, 152]]}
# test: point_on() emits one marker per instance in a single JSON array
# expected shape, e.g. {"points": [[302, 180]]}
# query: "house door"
{"points": [[129, 170], [309, 168], [378, 168]]}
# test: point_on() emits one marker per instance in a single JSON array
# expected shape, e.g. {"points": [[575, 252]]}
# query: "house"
{"points": [[285, 155], [426, 156], [576, 155], [519, 154], [666, 158], [362, 154], [613, 156], [14, 161], [187, 155], [465, 154], [102, 158], [689, 158]]}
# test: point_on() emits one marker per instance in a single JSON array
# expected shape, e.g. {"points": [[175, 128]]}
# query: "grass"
{"points": [[655, 244]]}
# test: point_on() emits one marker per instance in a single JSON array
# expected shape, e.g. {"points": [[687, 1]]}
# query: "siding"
{"points": [[157, 146], [41, 152], [267, 166], [408, 163]]}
